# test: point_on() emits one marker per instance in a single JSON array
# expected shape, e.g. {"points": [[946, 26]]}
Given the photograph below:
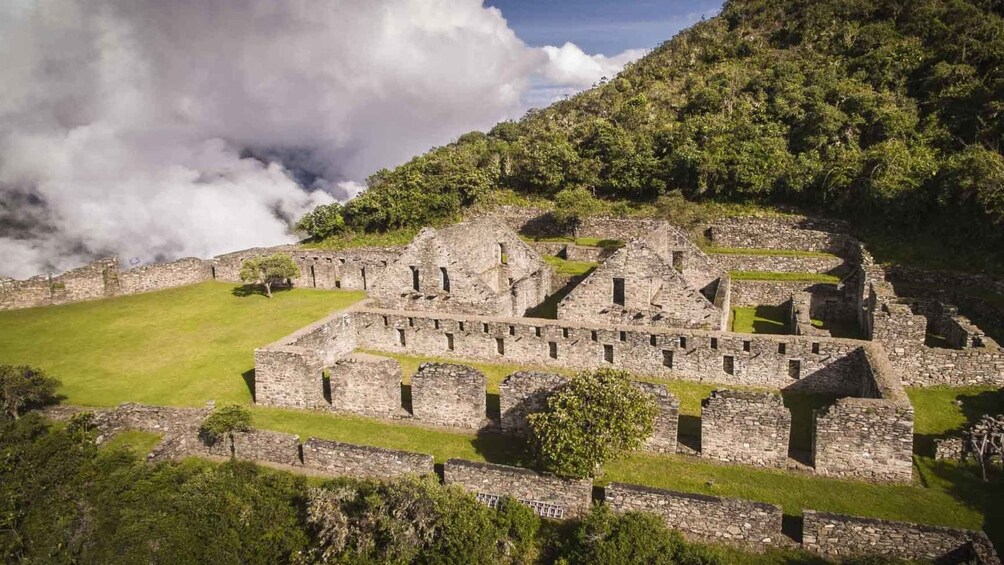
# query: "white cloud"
{"points": [[569, 66], [158, 129]]}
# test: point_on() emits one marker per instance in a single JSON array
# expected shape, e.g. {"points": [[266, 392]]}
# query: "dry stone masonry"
{"points": [[366, 384], [745, 427], [449, 395], [704, 518], [548, 496], [522, 394], [346, 459]]}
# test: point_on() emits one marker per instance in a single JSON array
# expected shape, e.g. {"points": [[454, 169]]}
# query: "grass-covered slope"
{"points": [[884, 111], [182, 346]]}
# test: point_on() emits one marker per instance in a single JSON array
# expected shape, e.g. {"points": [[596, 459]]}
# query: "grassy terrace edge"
{"points": [[766, 252], [772, 276]]}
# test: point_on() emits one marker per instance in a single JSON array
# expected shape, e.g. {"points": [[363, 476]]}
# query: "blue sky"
{"points": [[602, 26]]}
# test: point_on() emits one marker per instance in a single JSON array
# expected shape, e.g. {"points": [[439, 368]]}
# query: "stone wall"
{"points": [[160, 276], [289, 372], [348, 269], [704, 518], [549, 496], [825, 365], [363, 461], [667, 418], [832, 264], [449, 395], [264, 445], [827, 301], [522, 394], [745, 427], [651, 292], [366, 384], [864, 438], [785, 232], [841, 536]]}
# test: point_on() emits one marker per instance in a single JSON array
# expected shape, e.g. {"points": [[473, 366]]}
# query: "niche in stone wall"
{"points": [[794, 369], [400, 338], [608, 353], [415, 282], [729, 364], [449, 342], [552, 349], [618, 291], [500, 346], [667, 358], [444, 279]]}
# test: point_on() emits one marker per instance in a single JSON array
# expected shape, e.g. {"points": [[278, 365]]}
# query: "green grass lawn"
{"points": [[783, 277], [760, 320], [582, 241], [137, 441], [766, 252], [392, 238], [573, 268], [181, 346]]}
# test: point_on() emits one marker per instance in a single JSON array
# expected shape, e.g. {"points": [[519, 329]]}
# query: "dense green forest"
{"points": [[888, 112]]}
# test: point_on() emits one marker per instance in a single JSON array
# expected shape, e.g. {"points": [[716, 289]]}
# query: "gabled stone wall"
{"points": [[745, 427], [449, 395], [547, 495]]}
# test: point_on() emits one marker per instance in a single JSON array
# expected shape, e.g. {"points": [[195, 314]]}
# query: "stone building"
{"points": [[475, 267], [638, 285]]}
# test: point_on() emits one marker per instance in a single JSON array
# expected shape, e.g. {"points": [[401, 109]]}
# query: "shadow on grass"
{"points": [[246, 290], [248, 377], [770, 320], [801, 406], [501, 448], [964, 483], [972, 406]]}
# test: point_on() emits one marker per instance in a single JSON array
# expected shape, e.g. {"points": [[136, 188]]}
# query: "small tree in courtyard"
{"points": [[223, 422], [24, 387], [596, 417], [269, 270]]}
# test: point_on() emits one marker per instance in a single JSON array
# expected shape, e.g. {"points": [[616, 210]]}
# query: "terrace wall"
{"points": [[339, 458], [365, 384], [840, 536], [445, 394], [545, 494], [705, 518]]}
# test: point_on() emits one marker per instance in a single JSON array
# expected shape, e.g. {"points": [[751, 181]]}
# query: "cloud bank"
{"points": [[153, 129]]}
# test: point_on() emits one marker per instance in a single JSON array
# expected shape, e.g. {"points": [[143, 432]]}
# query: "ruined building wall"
{"points": [[547, 495], [289, 371], [449, 395], [830, 264], [703, 518], [160, 276], [366, 384], [745, 427], [524, 393], [870, 436], [667, 418], [347, 269], [823, 364], [654, 293]]}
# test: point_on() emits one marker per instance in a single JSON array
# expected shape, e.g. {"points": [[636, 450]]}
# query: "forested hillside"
{"points": [[883, 111]]}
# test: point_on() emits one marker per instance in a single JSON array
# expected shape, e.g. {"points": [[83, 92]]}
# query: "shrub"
{"points": [[224, 422], [23, 388], [596, 417]]}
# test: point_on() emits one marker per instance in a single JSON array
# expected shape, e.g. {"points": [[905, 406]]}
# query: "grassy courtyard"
{"points": [[182, 346], [760, 320], [188, 345]]}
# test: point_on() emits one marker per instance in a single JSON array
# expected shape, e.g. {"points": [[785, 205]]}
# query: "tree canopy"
{"points": [[882, 111], [24, 387], [269, 270], [596, 417]]}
